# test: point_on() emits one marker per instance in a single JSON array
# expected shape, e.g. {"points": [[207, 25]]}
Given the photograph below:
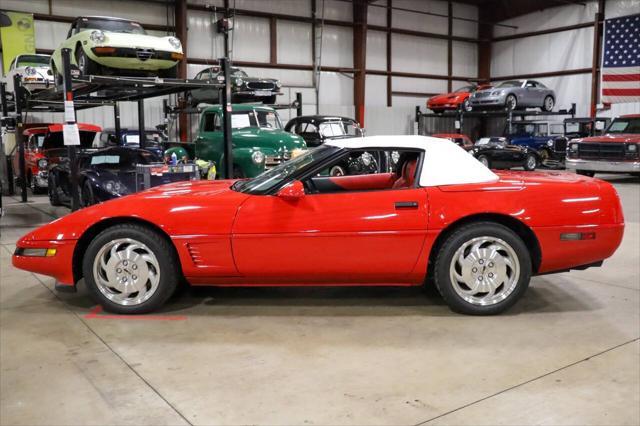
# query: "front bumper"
{"points": [[42, 179], [134, 58], [603, 165], [58, 266], [443, 105], [498, 100]]}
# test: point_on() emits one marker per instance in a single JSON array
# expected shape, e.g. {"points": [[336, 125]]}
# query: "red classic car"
{"points": [[409, 221], [454, 100], [616, 151], [459, 139], [44, 144]]}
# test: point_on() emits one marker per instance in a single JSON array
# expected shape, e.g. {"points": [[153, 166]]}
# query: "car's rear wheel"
{"points": [[482, 268], [130, 269], [586, 173], [485, 160], [54, 198], [511, 102], [87, 198], [530, 162], [85, 64], [548, 104]]}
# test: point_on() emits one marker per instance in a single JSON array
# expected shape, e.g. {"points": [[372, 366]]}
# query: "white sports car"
{"points": [[34, 71]]}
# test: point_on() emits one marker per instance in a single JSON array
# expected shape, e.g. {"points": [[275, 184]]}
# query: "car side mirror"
{"points": [[292, 191]]}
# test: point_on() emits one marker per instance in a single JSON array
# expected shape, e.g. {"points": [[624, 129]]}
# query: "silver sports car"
{"points": [[514, 94]]}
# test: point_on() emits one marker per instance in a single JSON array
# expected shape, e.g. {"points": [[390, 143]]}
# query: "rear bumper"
{"points": [[603, 165], [59, 266]]}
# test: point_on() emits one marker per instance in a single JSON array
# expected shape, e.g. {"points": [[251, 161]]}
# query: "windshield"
{"points": [[271, 178], [512, 83], [112, 25], [33, 61], [466, 89], [625, 125], [339, 128]]}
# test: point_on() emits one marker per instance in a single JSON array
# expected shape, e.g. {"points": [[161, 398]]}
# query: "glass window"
{"points": [[625, 125], [32, 61], [511, 83], [112, 25], [466, 89], [268, 119], [210, 121]]}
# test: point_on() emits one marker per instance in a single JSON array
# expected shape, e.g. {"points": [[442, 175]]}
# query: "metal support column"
{"points": [[299, 104], [116, 121], [6, 160], [71, 149], [17, 84], [226, 119], [141, 125]]}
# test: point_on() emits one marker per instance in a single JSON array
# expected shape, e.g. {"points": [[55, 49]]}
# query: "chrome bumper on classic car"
{"points": [[603, 165], [42, 179]]}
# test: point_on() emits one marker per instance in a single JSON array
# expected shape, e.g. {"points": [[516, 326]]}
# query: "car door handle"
{"points": [[403, 205]]}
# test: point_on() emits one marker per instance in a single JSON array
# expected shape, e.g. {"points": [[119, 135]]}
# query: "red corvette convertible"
{"points": [[424, 211], [454, 100]]}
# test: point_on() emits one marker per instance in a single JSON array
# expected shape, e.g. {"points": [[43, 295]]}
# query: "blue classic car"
{"points": [[536, 135]]}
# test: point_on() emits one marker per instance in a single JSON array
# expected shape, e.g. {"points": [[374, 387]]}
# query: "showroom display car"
{"points": [[44, 146], [259, 141], [459, 139], [573, 128], [154, 139], [317, 129], [243, 87], [106, 45], [101, 175], [616, 151], [497, 153], [536, 135], [515, 94], [294, 225], [34, 71], [457, 100]]}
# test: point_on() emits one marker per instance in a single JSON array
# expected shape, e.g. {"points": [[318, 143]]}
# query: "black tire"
{"points": [[548, 104], [511, 102], [85, 64], [87, 197], [35, 189], [484, 160], [437, 110], [54, 197], [466, 105], [162, 249], [586, 173], [269, 100], [169, 72], [530, 162], [456, 240]]}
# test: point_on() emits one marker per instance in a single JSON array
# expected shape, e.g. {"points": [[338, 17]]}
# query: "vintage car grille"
{"points": [[144, 54], [560, 145], [260, 85], [609, 151]]}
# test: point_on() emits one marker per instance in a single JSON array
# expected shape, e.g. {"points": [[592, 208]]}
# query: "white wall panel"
{"points": [[335, 10], [618, 8], [465, 59], [377, 15], [287, 7], [551, 18], [294, 43], [396, 120], [202, 42], [548, 52], [337, 46], [147, 13], [418, 54], [250, 39], [408, 101], [335, 89], [424, 85], [39, 6], [375, 93], [376, 50], [421, 22], [570, 89], [49, 35], [465, 28]]}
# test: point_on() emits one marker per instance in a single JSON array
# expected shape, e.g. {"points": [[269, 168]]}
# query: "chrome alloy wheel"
{"points": [[531, 162], [484, 271], [126, 272], [548, 103]]}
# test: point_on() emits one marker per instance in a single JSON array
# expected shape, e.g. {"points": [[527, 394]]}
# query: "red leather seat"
{"points": [[408, 176]]}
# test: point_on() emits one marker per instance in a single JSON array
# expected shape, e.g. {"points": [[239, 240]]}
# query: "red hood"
{"points": [[448, 96], [614, 138]]}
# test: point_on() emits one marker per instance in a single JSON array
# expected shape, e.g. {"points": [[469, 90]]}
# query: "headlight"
{"points": [[175, 43], [395, 156], [239, 82], [257, 157], [632, 147], [573, 147], [550, 143], [366, 159], [278, 84], [496, 93], [112, 187], [97, 36], [43, 163], [36, 252], [30, 71]]}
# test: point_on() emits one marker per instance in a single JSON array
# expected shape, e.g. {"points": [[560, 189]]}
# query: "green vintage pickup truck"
{"points": [[259, 142]]}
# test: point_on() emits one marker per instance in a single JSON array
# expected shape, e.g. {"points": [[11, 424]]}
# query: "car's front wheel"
{"points": [[530, 162], [54, 197], [466, 105], [482, 268], [85, 64], [485, 161], [548, 104], [130, 269], [511, 102]]}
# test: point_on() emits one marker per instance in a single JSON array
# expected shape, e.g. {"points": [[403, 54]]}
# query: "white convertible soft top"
{"points": [[445, 163]]}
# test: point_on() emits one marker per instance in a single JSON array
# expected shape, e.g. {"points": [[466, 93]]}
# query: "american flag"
{"points": [[621, 60]]}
